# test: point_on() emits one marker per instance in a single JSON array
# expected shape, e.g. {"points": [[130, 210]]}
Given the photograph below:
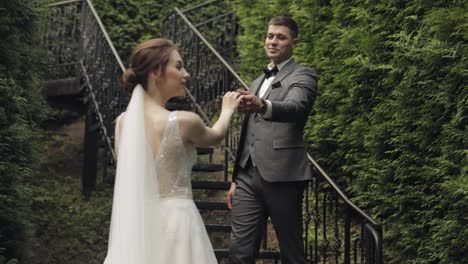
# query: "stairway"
{"points": [[209, 195]]}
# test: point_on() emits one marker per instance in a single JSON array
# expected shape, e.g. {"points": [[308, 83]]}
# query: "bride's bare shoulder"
{"points": [[187, 118], [190, 125]]}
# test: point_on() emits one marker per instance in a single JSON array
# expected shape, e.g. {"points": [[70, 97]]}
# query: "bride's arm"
{"points": [[195, 131]]}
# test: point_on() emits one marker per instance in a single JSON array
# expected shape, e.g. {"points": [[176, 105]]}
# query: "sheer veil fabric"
{"points": [[136, 229]]}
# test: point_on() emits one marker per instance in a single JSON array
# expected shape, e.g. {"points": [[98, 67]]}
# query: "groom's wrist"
{"points": [[263, 107]]}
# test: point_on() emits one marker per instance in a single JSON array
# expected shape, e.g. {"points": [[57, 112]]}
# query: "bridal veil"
{"points": [[135, 233]]}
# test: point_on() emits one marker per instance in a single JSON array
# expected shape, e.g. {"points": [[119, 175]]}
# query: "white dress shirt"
{"points": [[266, 83]]}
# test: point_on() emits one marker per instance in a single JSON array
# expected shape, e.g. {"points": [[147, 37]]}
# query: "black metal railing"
{"points": [[337, 231], [214, 20], [61, 38], [101, 68], [79, 46]]}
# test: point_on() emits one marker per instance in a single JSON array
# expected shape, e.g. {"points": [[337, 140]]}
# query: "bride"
{"points": [[154, 219]]}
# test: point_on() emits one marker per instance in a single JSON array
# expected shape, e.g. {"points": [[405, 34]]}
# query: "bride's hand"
{"points": [[231, 100]]}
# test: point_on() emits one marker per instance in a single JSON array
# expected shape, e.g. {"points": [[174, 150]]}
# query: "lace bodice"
{"points": [[174, 162]]}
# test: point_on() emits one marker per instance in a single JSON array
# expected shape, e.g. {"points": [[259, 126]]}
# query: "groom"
{"points": [[271, 166]]}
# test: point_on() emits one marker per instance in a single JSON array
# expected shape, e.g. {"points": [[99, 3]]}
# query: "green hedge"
{"points": [[22, 108], [391, 117]]}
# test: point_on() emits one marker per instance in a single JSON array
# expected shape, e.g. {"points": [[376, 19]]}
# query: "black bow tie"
{"points": [[269, 73]]}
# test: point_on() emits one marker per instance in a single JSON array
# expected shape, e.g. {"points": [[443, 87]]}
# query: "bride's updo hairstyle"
{"points": [[150, 55]]}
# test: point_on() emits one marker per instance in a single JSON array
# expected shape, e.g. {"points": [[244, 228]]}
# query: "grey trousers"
{"points": [[253, 202]]}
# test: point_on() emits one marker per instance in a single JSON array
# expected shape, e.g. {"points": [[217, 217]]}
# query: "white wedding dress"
{"points": [[154, 219]]}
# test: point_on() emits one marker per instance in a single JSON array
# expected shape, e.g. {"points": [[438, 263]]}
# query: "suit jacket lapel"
{"points": [[285, 71], [256, 84]]}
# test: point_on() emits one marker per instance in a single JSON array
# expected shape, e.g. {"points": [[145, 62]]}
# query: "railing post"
{"points": [[380, 256], [90, 163], [347, 235], [337, 242], [306, 222], [81, 44], [316, 217]]}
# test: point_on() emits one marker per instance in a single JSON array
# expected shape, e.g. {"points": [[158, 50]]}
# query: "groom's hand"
{"points": [[250, 103], [230, 195]]}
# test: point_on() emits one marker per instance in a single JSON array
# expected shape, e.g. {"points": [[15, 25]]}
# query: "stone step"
{"points": [[211, 185], [218, 228], [263, 254], [63, 87], [208, 167], [204, 151], [203, 205]]}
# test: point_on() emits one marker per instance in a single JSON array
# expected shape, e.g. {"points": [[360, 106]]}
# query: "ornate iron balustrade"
{"points": [[79, 44], [337, 231], [101, 67], [215, 22], [62, 37], [80, 48]]}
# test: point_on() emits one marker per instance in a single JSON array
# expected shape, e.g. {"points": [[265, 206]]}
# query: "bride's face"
{"points": [[174, 80]]}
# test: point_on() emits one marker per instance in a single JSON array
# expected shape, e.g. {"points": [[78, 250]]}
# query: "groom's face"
{"points": [[279, 43]]}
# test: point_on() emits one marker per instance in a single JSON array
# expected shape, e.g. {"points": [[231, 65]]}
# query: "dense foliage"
{"points": [[22, 108], [391, 118], [68, 228]]}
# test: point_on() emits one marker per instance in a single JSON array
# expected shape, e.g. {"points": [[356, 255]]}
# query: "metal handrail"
{"points": [[213, 19], [378, 241], [198, 6], [63, 3]]}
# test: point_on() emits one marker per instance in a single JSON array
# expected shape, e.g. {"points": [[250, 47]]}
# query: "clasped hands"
{"points": [[244, 101], [249, 103]]}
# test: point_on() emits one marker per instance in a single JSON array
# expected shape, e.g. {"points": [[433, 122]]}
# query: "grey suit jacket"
{"points": [[276, 145]]}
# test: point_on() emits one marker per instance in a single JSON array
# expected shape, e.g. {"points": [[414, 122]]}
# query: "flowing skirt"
{"points": [[185, 237]]}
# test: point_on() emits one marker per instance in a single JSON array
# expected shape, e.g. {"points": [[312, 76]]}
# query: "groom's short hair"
{"points": [[287, 22]]}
